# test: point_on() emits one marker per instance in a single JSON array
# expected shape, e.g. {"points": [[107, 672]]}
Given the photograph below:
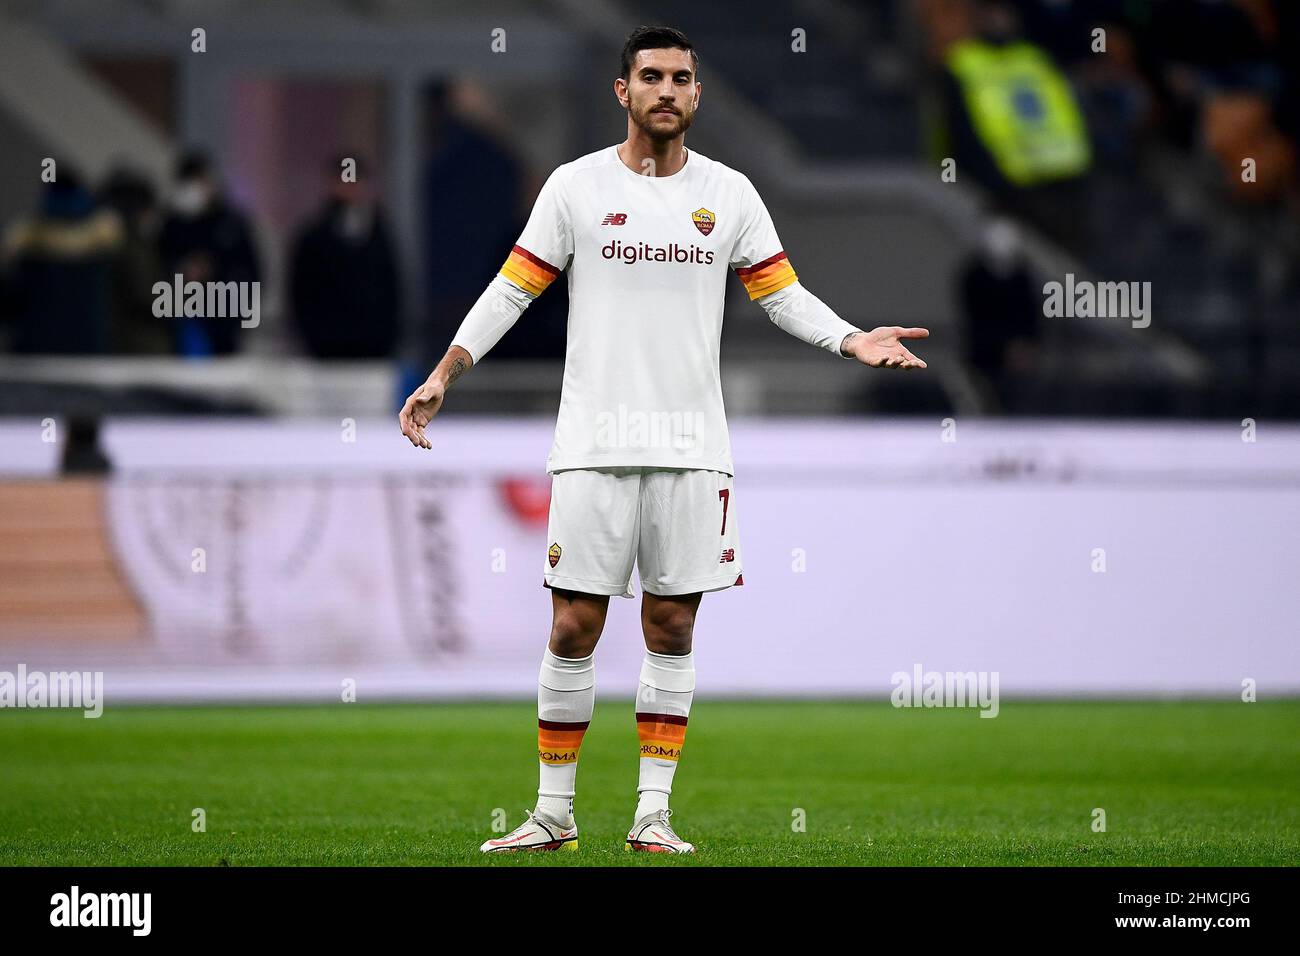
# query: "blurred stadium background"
{"points": [[206, 511]]}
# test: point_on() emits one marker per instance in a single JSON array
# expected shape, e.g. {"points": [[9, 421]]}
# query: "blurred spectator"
{"points": [[1012, 111], [1222, 69], [343, 274], [1115, 99], [58, 272], [1002, 308], [1238, 128], [205, 239], [1014, 123], [471, 204], [134, 329]]}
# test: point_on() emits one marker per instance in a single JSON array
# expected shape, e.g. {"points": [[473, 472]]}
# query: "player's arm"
{"points": [[882, 347], [497, 309], [771, 281], [424, 402], [526, 273], [797, 311]]}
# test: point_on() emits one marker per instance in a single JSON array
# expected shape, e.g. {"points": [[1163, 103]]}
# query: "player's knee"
{"points": [[668, 629], [574, 634]]}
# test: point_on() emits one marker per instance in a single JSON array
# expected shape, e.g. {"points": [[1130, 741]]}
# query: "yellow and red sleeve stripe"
{"points": [[771, 275], [661, 735], [558, 742], [528, 272]]}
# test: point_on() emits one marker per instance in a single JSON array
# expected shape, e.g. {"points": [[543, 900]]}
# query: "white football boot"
{"points": [[653, 834], [535, 833]]}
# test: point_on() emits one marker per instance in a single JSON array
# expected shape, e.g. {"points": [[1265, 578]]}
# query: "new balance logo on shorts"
{"points": [[615, 219], [728, 555]]}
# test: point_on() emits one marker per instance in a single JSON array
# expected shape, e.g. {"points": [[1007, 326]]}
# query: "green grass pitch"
{"points": [[1181, 782]]}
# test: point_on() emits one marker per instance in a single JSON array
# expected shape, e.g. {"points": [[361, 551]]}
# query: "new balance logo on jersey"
{"points": [[728, 555], [615, 219]]}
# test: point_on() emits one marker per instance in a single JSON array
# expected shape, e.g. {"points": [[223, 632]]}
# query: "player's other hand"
{"points": [[883, 347], [419, 411]]}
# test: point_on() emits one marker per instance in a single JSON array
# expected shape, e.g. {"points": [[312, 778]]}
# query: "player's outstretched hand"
{"points": [[419, 411], [882, 348]]}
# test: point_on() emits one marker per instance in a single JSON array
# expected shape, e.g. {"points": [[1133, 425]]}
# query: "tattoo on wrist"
{"points": [[457, 369], [848, 339]]}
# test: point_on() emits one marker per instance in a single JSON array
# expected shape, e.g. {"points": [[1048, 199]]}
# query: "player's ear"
{"points": [[699, 88], [620, 91]]}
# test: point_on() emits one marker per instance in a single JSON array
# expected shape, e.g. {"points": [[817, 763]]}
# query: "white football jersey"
{"points": [[647, 260]]}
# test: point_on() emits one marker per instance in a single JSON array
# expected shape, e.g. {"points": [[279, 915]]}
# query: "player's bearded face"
{"points": [[660, 116], [661, 93]]}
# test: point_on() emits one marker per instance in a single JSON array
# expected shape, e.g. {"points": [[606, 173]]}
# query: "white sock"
{"points": [[662, 705], [650, 801], [566, 696]]}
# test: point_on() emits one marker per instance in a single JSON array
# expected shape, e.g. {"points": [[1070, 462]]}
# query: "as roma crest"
{"points": [[553, 554], [704, 220]]}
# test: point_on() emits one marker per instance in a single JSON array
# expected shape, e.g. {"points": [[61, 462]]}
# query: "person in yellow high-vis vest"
{"points": [[1021, 109]]}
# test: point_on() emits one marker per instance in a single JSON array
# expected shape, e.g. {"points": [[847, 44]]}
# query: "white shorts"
{"points": [[678, 525]]}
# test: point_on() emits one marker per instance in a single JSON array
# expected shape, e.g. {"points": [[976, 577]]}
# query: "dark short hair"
{"points": [[656, 38]]}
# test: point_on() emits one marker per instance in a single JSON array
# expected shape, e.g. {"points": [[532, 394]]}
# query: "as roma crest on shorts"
{"points": [[553, 554], [704, 220]]}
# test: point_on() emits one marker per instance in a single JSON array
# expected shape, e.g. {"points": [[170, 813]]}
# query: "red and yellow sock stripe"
{"points": [[771, 275], [558, 742], [661, 735], [529, 272]]}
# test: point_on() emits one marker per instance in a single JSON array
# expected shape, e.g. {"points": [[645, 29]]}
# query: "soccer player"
{"points": [[641, 463]]}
